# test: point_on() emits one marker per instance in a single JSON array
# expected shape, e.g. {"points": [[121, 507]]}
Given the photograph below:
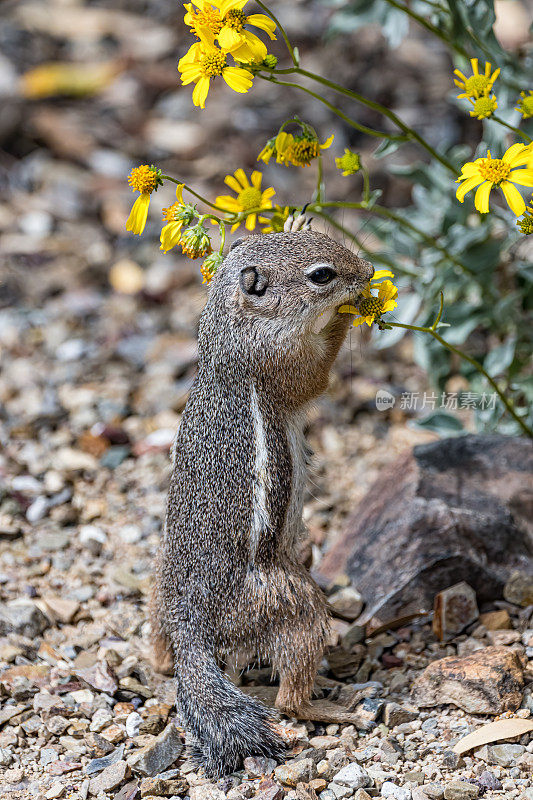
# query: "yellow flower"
{"points": [[350, 162], [276, 223], [225, 19], [249, 196], [176, 216], [195, 241], [525, 104], [210, 266], [204, 61], [477, 84], [304, 149], [369, 307], [526, 223], [483, 107], [145, 180], [268, 151], [282, 145], [485, 173]]}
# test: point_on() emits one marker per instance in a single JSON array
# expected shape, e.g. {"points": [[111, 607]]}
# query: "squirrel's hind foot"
{"points": [[219, 758]]}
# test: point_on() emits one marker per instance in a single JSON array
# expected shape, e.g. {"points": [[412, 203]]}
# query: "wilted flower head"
{"points": [[210, 266], [195, 241]]}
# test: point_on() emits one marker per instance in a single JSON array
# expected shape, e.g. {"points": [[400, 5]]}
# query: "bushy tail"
{"points": [[226, 726]]}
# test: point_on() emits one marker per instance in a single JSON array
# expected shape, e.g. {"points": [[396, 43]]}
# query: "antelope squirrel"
{"points": [[227, 573]]}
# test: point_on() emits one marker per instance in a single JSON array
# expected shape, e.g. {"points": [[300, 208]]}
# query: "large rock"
{"points": [[22, 616], [159, 754], [454, 510], [489, 681]]}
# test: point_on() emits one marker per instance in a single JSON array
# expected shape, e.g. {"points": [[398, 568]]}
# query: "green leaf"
{"points": [[499, 359], [442, 423]]}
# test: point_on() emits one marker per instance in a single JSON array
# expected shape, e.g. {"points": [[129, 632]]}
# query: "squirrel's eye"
{"points": [[322, 275]]}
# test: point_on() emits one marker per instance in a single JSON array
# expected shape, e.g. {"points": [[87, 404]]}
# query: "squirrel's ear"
{"points": [[252, 281], [236, 243]]}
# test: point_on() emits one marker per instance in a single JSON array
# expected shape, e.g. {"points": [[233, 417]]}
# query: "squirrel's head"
{"points": [[297, 276]]}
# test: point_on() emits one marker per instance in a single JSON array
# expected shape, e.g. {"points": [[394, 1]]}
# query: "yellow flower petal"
{"points": [[481, 199], [469, 184], [250, 222], [241, 176], [388, 305], [263, 22], [179, 192], [238, 79], [267, 194], [228, 202], [199, 93], [233, 183], [522, 176], [382, 273], [256, 178], [387, 291], [512, 152], [138, 214], [328, 142], [515, 201], [228, 38], [348, 310]]}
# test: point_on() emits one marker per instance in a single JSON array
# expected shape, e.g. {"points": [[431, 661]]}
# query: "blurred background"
{"points": [[97, 326]]}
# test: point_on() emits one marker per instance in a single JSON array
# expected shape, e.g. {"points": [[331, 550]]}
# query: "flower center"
{"points": [[169, 214], [143, 179], [370, 307], [249, 198], [484, 106], [494, 170], [304, 151], [476, 85], [235, 19], [213, 63], [208, 18], [526, 106]]}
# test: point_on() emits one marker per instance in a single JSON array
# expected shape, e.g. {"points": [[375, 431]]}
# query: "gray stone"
{"points": [[347, 601], [206, 792], [489, 781], [505, 754], [294, 772], [23, 617], [257, 766], [443, 513], [159, 754], [390, 789], [161, 787], [395, 714], [435, 791], [110, 778], [339, 791], [460, 790], [519, 589], [99, 764], [353, 776]]}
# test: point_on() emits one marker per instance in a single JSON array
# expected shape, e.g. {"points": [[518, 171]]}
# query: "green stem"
{"points": [[338, 112], [479, 367], [412, 134], [429, 27], [281, 30], [511, 127], [191, 191], [320, 188]]}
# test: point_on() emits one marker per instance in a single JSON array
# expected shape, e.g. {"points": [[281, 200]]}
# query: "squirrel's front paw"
{"points": [[297, 223]]}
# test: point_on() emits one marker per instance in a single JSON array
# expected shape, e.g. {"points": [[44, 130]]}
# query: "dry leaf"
{"points": [[493, 732]]}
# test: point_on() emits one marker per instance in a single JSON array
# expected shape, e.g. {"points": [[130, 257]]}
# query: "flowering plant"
{"points": [[443, 245]]}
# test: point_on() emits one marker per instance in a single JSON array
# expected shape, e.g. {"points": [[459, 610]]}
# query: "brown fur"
{"points": [[228, 575]]}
